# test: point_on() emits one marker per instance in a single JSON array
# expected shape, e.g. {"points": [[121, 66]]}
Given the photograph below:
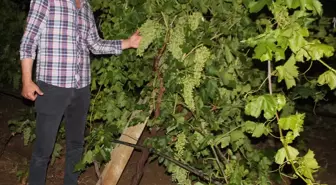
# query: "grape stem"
{"points": [[186, 55], [144, 157], [326, 65], [282, 139], [218, 163]]}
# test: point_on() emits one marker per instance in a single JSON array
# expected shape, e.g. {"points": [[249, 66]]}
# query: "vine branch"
{"points": [[156, 68], [283, 141]]}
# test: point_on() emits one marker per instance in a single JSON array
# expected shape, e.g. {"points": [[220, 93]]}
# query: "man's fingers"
{"points": [[30, 96], [34, 97], [38, 90]]}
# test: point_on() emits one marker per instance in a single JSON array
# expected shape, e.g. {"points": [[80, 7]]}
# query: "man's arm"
{"points": [[35, 22], [100, 46]]}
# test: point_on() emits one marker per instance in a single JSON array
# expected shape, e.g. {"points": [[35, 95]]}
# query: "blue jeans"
{"points": [[57, 102]]}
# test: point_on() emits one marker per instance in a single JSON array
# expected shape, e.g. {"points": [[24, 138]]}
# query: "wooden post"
{"points": [[120, 155]]}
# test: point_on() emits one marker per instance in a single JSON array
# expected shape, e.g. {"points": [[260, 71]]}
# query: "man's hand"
{"points": [[30, 91], [132, 42]]}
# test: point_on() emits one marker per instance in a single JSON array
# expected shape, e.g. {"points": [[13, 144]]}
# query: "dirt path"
{"points": [[16, 157]]}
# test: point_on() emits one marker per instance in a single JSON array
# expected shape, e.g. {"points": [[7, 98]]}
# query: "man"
{"points": [[65, 32]]}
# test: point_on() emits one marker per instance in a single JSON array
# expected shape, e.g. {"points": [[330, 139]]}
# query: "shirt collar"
{"points": [[81, 1]]}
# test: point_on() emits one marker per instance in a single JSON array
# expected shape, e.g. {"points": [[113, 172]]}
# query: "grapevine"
{"points": [[150, 31], [209, 81]]}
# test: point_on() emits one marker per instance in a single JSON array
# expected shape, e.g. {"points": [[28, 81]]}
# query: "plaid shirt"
{"points": [[64, 35]]}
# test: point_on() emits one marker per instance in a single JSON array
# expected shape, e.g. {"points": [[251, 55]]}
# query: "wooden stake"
{"points": [[120, 155]]}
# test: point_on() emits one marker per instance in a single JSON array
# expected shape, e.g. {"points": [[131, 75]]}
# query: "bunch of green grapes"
{"points": [[180, 144], [194, 20], [202, 55], [180, 175], [190, 82], [281, 15], [177, 39], [149, 31], [188, 88]]}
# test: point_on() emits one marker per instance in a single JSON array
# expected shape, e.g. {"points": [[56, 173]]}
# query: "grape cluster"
{"points": [[189, 82], [180, 175], [194, 20], [201, 56], [150, 31], [180, 144], [177, 39], [188, 88]]}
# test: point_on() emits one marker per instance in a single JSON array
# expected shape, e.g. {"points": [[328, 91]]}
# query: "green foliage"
{"points": [[329, 78], [288, 72], [267, 103], [12, 22], [289, 33], [25, 125], [206, 74], [201, 49]]}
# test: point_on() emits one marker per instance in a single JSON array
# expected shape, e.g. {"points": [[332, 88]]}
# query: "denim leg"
{"points": [[46, 131], [75, 115], [50, 109]]}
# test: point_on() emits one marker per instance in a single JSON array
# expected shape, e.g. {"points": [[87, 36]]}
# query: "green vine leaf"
{"points": [[288, 72], [259, 130], [317, 50], [328, 78], [263, 51], [237, 135], [256, 129], [223, 141], [313, 5], [289, 137], [256, 6], [294, 123], [281, 155], [293, 3], [267, 103], [308, 165], [88, 157]]}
